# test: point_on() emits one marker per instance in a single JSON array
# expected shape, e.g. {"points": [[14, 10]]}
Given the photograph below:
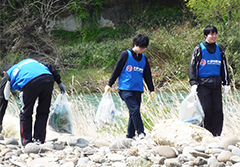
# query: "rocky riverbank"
{"points": [[171, 144]]}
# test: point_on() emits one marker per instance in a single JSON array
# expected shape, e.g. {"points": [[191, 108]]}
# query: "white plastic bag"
{"points": [[106, 110], [60, 116], [191, 110]]}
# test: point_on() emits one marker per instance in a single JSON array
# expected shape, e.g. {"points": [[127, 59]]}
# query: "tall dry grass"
{"points": [[165, 106]]}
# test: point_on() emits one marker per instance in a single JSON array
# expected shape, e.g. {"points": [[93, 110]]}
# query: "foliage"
{"points": [[169, 51], [155, 16], [88, 12], [229, 40], [215, 10], [92, 54], [24, 28]]}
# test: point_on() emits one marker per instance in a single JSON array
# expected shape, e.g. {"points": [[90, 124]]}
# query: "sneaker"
{"points": [[133, 138], [37, 142], [141, 136]]}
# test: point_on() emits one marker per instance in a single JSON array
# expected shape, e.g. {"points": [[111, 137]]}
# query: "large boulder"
{"points": [[173, 132]]}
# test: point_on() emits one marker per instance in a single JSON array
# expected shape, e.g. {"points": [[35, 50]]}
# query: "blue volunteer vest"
{"points": [[131, 77], [23, 72], [210, 64]]}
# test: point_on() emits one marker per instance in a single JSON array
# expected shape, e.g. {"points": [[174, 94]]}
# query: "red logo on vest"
{"points": [[129, 68], [203, 62]]}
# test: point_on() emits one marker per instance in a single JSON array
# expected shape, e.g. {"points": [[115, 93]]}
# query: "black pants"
{"points": [[133, 101], [211, 101], [28, 97]]}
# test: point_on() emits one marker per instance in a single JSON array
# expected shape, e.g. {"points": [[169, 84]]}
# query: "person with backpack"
{"points": [[207, 73], [131, 69]]}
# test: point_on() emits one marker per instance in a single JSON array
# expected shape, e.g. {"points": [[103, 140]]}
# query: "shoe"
{"points": [[37, 142], [133, 138], [141, 136]]}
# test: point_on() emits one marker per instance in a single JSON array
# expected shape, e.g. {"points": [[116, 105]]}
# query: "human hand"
{"points": [[62, 88], [226, 89], [152, 95], [107, 88], [194, 89]]}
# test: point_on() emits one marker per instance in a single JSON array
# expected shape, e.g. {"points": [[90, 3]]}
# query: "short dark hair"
{"points": [[210, 29], [141, 40], [5, 68]]}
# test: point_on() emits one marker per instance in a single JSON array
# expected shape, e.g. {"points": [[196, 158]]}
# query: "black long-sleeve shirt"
{"points": [[196, 58], [147, 75]]}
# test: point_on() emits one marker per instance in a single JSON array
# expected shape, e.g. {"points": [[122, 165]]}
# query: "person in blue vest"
{"points": [[34, 80], [208, 71], [131, 68]]}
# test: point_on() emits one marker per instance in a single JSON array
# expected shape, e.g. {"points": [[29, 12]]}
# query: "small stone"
{"points": [[236, 165], [199, 154], [82, 161], [200, 148], [236, 151], [1, 137], [4, 151], [226, 141], [115, 157], [119, 164], [200, 161], [32, 148], [89, 150], [57, 146], [172, 162], [165, 151], [121, 144], [224, 156], [235, 159], [12, 141]]}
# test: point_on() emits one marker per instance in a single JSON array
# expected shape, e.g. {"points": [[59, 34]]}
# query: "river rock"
{"points": [[236, 151], [235, 159], [12, 141], [224, 156], [120, 144], [165, 151], [173, 132], [172, 162], [5, 151], [236, 165], [226, 141], [32, 148]]}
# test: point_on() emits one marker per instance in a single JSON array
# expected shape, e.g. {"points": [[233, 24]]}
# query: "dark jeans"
{"points": [[211, 101], [28, 97], [133, 102]]}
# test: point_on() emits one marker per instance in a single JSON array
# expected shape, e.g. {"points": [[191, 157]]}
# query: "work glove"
{"points": [[62, 88], [107, 88], [152, 95], [226, 89], [194, 89]]}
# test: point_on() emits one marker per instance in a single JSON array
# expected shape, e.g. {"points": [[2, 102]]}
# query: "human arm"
{"points": [[118, 68], [56, 76], [193, 65], [224, 69], [224, 72], [54, 72], [147, 75]]}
